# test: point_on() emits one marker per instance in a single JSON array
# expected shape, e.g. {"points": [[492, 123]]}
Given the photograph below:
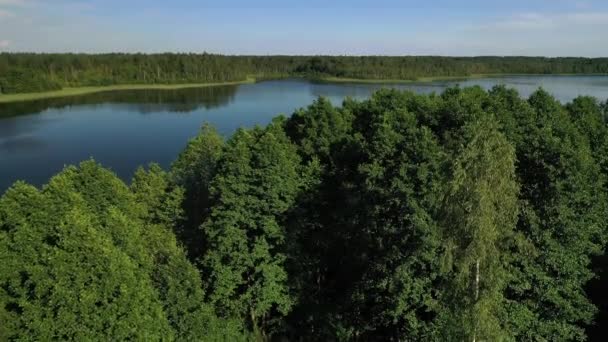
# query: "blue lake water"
{"points": [[125, 129]]}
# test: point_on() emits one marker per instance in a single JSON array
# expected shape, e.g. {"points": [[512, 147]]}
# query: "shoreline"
{"points": [[435, 78], [76, 91]]}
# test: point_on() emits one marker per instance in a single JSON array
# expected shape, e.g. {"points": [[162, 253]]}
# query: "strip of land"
{"points": [[75, 91], [420, 79], [6, 98], [439, 78]]}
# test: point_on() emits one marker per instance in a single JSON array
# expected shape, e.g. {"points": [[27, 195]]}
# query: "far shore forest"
{"points": [[29, 72]]}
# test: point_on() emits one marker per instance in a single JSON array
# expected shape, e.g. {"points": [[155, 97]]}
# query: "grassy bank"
{"points": [[5, 98], [420, 79], [436, 78], [88, 90]]}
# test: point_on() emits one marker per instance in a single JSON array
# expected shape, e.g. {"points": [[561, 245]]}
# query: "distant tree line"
{"points": [[28, 72], [467, 216]]}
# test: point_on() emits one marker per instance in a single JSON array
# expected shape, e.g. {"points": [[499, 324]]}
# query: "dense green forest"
{"points": [[27, 72], [468, 215]]}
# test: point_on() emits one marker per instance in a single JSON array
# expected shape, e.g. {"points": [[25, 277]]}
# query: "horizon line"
{"points": [[288, 55]]}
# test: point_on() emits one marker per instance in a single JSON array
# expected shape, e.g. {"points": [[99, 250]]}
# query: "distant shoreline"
{"points": [[76, 91], [436, 78]]}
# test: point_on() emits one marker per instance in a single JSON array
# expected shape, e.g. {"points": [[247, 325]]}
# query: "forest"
{"points": [[469, 215], [29, 72]]}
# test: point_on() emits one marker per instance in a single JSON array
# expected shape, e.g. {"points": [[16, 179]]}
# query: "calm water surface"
{"points": [[125, 129]]}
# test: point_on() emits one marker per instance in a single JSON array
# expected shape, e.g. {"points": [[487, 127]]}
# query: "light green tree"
{"points": [[480, 213], [87, 258], [62, 275]]}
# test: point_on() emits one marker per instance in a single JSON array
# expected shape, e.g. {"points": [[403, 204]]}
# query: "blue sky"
{"points": [[338, 27]]}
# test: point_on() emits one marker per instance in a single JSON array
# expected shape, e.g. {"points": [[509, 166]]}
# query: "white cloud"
{"points": [[4, 43]]}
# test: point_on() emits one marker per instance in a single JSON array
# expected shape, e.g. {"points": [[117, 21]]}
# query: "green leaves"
{"points": [[563, 219], [480, 213], [85, 258], [18, 80], [317, 127], [258, 177], [469, 215], [64, 278], [193, 171], [29, 72]]}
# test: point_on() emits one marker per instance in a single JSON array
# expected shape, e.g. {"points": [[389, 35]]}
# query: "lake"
{"points": [[125, 129]]}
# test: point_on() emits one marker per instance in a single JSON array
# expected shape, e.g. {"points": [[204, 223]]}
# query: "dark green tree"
{"points": [[587, 115], [315, 129], [257, 180], [562, 220], [193, 170], [315, 244], [399, 181], [177, 281]]}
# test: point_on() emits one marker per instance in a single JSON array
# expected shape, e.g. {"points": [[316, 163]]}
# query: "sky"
{"points": [[308, 27]]}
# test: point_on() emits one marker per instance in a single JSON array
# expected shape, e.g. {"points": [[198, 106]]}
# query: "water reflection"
{"points": [[564, 88], [21, 143], [143, 101], [126, 129]]}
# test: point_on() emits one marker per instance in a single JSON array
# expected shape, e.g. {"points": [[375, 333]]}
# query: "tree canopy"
{"points": [[30, 72], [469, 215]]}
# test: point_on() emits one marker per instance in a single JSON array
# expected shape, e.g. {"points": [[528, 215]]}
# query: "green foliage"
{"points": [[563, 208], [587, 115], [83, 259], [161, 199], [480, 213], [193, 170], [369, 224], [257, 180], [468, 215], [398, 190], [63, 275], [26, 81], [26, 72], [316, 128], [320, 66]]}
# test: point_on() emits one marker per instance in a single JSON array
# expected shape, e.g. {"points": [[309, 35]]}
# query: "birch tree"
{"points": [[480, 215]]}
